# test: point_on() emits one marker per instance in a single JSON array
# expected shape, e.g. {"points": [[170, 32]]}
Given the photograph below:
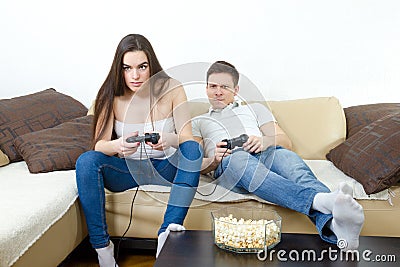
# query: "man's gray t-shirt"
{"points": [[230, 122]]}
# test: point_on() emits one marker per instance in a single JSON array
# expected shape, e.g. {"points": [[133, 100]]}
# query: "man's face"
{"points": [[221, 90]]}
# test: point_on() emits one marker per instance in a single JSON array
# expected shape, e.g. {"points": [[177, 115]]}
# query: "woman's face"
{"points": [[136, 69]]}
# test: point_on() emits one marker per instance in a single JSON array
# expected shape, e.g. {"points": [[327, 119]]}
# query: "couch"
{"points": [[42, 144], [41, 135], [316, 126]]}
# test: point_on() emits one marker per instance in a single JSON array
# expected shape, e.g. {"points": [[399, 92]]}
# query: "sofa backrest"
{"points": [[315, 125]]}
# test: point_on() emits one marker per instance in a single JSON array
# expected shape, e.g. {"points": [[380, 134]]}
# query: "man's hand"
{"points": [[221, 152], [210, 164], [253, 144]]}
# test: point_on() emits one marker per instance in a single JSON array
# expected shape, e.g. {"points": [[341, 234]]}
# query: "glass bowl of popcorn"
{"points": [[246, 230]]}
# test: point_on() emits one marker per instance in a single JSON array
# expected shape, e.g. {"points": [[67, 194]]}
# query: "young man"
{"points": [[265, 164]]}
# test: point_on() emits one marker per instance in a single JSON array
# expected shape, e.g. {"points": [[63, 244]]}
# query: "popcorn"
{"points": [[245, 235]]}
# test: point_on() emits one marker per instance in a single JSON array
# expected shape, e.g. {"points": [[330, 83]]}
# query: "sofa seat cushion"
{"points": [[30, 205], [324, 170], [150, 204]]}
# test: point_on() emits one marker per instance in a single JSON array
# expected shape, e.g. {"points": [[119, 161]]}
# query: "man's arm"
{"points": [[210, 164], [273, 135]]}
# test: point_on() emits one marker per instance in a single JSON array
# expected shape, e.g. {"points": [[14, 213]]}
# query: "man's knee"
{"points": [[241, 155], [240, 160], [286, 154]]}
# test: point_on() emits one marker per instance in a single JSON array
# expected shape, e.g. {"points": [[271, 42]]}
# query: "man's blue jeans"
{"points": [[279, 176], [96, 171]]}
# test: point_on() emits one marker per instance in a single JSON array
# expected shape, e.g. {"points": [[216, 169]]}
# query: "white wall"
{"points": [[288, 49]]}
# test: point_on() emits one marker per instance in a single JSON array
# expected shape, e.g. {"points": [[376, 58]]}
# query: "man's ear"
{"points": [[236, 90]]}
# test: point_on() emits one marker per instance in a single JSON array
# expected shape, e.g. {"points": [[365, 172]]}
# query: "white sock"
{"points": [[323, 202], [163, 236], [106, 256], [348, 219]]}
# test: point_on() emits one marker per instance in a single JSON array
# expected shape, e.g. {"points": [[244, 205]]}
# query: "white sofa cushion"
{"points": [[30, 205]]}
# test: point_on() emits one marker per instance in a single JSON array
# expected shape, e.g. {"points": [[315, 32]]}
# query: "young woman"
{"points": [[138, 97]]}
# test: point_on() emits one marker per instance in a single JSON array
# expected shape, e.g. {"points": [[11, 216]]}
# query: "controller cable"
{"points": [[137, 189], [220, 164], [131, 209], [216, 184]]}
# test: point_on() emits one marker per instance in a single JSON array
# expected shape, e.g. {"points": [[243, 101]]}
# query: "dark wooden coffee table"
{"points": [[196, 248]]}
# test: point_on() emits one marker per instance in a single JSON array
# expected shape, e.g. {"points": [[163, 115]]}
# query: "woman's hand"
{"points": [[124, 148], [254, 144], [166, 141]]}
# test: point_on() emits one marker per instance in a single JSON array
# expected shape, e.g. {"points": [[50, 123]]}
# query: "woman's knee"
{"points": [[88, 158], [191, 150], [83, 159]]}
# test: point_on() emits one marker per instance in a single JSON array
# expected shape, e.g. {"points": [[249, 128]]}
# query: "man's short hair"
{"points": [[224, 67]]}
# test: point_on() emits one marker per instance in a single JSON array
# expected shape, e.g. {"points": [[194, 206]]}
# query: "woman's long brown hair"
{"points": [[114, 84]]}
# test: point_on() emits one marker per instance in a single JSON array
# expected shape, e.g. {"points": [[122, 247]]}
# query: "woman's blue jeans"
{"points": [[279, 176], [96, 171]]}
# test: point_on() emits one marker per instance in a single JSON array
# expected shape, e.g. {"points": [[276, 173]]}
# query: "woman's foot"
{"points": [[106, 256], [163, 236]]}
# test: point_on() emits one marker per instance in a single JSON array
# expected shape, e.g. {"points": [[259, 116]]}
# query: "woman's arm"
{"points": [[177, 101], [181, 115], [112, 147]]}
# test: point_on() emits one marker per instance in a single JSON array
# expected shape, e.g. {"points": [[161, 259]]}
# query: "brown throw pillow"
{"points": [[34, 112], [357, 117], [372, 155], [55, 148]]}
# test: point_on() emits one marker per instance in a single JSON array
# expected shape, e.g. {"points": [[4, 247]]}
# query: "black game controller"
{"points": [[147, 137], [237, 141]]}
